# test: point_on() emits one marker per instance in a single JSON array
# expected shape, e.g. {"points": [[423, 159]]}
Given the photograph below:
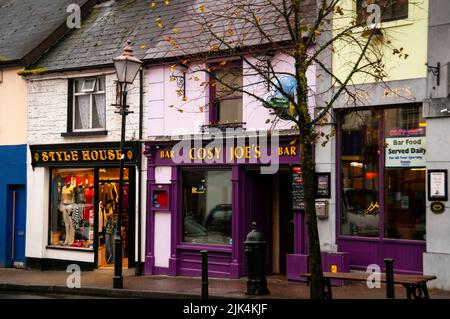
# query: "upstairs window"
{"points": [[225, 96], [390, 10], [89, 105]]}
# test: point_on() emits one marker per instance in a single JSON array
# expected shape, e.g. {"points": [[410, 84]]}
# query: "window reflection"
{"points": [[359, 168], [207, 207]]}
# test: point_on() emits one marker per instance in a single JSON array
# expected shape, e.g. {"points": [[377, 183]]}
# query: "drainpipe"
{"points": [[138, 269]]}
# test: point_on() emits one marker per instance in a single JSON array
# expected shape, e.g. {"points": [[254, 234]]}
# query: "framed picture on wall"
{"points": [[437, 184], [323, 185]]}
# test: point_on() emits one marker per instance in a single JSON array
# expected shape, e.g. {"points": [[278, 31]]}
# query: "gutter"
{"points": [[138, 269]]}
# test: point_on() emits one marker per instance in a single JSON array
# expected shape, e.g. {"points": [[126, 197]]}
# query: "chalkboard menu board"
{"points": [[297, 189]]}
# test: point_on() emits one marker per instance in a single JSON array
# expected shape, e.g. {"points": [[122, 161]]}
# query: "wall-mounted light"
{"points": [[181, 71], [436, 71]]}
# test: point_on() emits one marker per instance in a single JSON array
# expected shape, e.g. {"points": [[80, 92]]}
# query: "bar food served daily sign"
{"points": [[405, 151]]}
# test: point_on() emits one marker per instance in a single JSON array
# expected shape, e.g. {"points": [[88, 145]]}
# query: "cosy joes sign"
{"points": [[218, 153]]}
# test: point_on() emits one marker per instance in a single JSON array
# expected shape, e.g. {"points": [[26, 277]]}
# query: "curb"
{"points": [[107, 292]]}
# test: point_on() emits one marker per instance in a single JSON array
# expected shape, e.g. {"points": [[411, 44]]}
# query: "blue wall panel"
{"points": [[12, 172]]}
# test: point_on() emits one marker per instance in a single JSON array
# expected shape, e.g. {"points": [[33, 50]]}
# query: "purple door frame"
{"points": [[407, 254]]}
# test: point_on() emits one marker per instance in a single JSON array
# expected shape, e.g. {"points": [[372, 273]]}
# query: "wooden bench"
{"points": [[416, 285]]}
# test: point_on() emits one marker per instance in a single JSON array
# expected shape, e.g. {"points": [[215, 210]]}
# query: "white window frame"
{"points": [[91, 94], [85, 89]]}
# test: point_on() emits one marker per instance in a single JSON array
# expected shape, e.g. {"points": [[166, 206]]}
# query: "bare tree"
{"points": [[306, 33]]}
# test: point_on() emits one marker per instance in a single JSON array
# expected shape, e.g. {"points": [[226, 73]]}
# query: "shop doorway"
{"points": [[108, 214], [269, 205], [15, 226]]}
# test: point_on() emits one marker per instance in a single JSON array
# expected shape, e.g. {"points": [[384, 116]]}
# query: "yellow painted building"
{"points": [[409, 33]]}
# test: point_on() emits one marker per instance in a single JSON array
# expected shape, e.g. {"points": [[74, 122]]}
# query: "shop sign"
{"points": [[81, 154], [224, 154], [298, 193], [405, 152]]}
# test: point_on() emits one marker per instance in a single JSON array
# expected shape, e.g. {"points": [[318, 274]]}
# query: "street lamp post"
{"points": [[127, 66]]}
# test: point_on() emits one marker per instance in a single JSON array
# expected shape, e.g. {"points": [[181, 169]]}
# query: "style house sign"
{"points": [[81, 154]]}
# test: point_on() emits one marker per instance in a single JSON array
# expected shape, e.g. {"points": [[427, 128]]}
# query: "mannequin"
{"points": [[109, 227], [66, 208]]}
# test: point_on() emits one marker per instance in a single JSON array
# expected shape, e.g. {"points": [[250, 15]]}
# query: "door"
{"points": [[286, 224], [16, 224], [259, 204], [108, 213]]}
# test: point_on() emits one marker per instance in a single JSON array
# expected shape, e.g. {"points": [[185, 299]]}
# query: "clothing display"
{"points": [[70, 211], [75, 208]]}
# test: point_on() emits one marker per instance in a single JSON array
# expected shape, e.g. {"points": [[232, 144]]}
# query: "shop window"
{"points": [[89, 105], [390, 10], [401, 146], [225, 97], [207, 209], [72, 208], [404, 173], [360, 203]]}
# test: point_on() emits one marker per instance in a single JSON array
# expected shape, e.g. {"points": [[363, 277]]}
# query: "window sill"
{"points": [[86, 250], [389, 24], [88, 133], [227, 249]]}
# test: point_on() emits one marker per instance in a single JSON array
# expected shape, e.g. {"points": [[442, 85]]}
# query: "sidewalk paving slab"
{"points": [[99, 283]]}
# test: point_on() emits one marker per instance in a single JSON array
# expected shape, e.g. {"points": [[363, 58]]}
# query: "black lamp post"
{"points": [[127, 67]]}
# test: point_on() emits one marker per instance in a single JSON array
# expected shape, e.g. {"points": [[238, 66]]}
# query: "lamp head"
{"points": [[127, 65]]}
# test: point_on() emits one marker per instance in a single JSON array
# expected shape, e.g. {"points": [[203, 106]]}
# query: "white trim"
{"points": [[66, 76]]}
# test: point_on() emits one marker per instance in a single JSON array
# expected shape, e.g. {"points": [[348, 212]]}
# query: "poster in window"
{"points": [[298, 195], [323, 188], [437, 185]]}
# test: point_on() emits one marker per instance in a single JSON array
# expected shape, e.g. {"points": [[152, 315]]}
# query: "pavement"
{"points": [[98, 283]]}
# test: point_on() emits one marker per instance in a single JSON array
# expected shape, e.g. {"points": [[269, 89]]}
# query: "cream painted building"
{"points": [[26, 33], [13, 107]]}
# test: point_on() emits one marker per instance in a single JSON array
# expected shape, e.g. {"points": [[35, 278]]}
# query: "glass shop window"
{"points": [[360, 203], [404, 173], [72, 208], [207, 209]]}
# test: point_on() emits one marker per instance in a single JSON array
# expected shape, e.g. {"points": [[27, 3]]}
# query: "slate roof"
{"points": [[26, 24], [111, 23], [105, 31]]}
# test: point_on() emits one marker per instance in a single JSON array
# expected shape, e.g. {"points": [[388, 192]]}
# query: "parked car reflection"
{"points": [[216, 229]]}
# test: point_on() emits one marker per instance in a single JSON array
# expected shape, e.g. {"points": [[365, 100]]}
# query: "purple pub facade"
{"points": [[250, 197]]}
